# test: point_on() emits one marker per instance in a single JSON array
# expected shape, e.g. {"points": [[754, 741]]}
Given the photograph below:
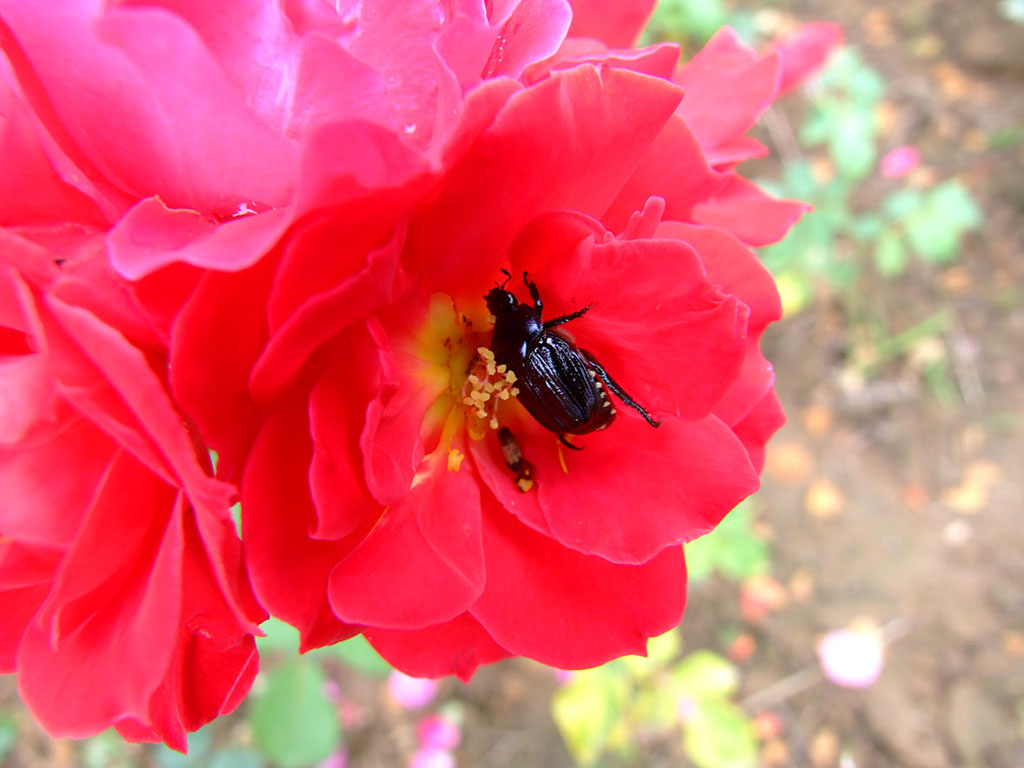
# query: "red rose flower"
{"points": [[311, 200], [121, 582], [375, 494]]}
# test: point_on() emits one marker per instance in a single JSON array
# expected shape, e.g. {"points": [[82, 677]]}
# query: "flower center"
{"points": [[484, 389], [454, 360]]}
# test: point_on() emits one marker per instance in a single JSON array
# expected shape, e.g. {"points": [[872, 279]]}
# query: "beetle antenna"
{"points": [[508, 276]]}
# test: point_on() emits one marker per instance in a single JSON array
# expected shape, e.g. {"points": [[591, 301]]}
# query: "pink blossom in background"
{"points": [[852, 658], [432, 758], [898, 162], [411, 692], [438, 732]]}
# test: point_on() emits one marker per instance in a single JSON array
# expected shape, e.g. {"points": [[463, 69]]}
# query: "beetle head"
{"points": [[499, 301]]}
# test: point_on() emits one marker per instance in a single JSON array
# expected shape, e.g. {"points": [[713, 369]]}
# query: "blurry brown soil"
{"points": [[880, 501]]}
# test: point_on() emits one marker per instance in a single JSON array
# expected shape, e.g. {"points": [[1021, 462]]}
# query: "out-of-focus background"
{"points": [[866, 608]]}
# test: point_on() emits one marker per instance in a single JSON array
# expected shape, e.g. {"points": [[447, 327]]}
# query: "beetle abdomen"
{"points": [[559, 390]]}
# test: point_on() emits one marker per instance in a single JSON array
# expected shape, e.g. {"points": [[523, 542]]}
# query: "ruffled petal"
{"points": [[741, 208], [457, 647], [142, 103], [805, 52], [633, 490], [212, 353], [336, 483], [422, 563], [618, 23], [673, 167], [105, 636], [672, 340], [732, 266], [567, 143], [151, 236], [290, 570], [570, 610], [759, 425], [728, 86]]}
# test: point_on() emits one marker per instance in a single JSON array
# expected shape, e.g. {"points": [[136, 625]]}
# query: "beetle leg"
{"points": [[619, 391], [567, 444], [534, 293], [567, 318]]}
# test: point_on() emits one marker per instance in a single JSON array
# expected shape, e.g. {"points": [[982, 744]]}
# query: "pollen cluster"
{"points": [[486, 385]]}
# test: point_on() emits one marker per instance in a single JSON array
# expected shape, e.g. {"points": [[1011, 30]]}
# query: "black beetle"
{"points": [[559, 383]]}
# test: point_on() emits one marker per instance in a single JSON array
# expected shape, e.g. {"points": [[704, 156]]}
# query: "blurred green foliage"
{"points": [[292, 721], [600, 710], [732, 549], [840, 239], [693, 22]]}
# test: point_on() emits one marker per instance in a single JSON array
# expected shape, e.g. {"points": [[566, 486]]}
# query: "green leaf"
{"points": [[717, 734], [902, 203], [358, 654], [890, 255], [704, 674], [660, 650], [292, 723], [588, 709], [732, 548], [8, 736], [851, 141], [695, 20], [935, 228], [199, 744], [280, 637], [236, 757], [866, 227]]}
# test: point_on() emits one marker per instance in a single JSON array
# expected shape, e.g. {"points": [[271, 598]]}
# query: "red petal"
{"points": [[569, 610], [728, 86], [114, 652], [661, 330], [533, 32], [32, 190], [212, 353], [140, 101], [289, 570], [760, 424], [679, 480], [457, 647], [312, 301], [659, 60], [42, 504], [617, 22], [422, 563], [805, 52], [151, 236], [567, 143], [748, 213], [732, 266], [391, 444], [26, 574], [133, 404], [335, 472], [755, 379], [675, 168]]}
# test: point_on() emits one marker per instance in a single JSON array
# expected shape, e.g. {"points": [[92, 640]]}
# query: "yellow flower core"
{"points": [[455, 362]]}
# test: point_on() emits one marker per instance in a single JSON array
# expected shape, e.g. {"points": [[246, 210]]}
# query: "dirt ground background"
{"points": [[880, 502]]}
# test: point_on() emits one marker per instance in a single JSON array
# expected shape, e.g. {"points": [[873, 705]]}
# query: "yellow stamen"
{"points": [[455, 458], [561, 459]]}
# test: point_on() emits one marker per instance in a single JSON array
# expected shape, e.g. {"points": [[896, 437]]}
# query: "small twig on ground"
{"points": [[808, 677], [781, 132]]}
